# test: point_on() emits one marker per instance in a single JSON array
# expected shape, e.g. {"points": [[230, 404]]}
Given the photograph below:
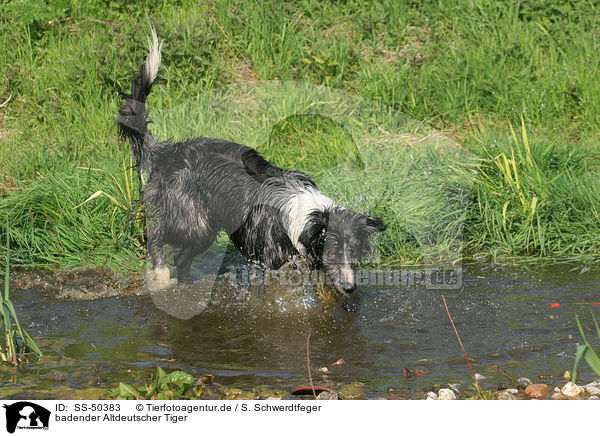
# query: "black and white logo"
{"points": [[26, 415]]}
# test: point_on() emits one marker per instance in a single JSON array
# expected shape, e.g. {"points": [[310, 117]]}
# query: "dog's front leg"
{"points": [[159, 266]]}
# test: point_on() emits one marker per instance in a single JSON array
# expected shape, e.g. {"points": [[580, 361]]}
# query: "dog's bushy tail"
{"points": [[133, 115]]}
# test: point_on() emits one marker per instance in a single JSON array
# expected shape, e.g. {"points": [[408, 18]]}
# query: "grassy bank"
{"points": [[469, 70]]}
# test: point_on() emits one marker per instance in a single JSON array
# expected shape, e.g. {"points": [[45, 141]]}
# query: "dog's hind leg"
{"points": [[183, 262], [185, 256]]}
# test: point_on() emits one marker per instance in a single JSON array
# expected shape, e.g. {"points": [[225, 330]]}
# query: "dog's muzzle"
{"points": [[348, 288], [347, 283]]}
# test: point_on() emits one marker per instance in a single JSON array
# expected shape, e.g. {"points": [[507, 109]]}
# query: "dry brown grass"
{"points": [[343, 31], [415, 47]]}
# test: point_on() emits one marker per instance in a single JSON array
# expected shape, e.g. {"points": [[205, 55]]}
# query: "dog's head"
{"points": [[336, 241]]}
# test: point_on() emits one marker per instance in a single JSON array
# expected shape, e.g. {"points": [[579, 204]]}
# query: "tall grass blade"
{"points": [[586, 351], [578, 355], [99, 193], [10, 318]]}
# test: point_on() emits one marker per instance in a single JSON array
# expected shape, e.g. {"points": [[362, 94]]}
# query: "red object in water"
{"points": [[308, 390], [595, 303]]}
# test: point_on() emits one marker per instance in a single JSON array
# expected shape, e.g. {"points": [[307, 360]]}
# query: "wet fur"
{"points": [[199, 187]]}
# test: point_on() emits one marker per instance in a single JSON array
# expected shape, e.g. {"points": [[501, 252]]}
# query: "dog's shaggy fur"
{"points": [[201, 186]]}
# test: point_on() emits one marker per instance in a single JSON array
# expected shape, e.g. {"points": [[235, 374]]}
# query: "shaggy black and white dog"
{"points": [[201, 186]]}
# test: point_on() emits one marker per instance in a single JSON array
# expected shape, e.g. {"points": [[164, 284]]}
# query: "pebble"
{"points": [[593, 390], [324, 369], [594, 384], [446, 394], [505, 395], [594, 397], [431, 396], [538, 390], [327, 395], [570, 389], [559, 396], [567, 375], [479, 377]]}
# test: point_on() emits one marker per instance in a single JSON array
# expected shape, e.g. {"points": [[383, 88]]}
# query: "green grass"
{"points": [[535, 199], [48, 229], [467, 69]]}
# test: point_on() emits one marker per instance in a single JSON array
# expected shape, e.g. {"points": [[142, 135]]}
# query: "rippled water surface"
{"points": [[503, 315]]}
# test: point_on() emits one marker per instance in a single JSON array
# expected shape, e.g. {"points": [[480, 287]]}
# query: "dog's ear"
{"points": [[374, 224], [313, 237], [315, 228]]}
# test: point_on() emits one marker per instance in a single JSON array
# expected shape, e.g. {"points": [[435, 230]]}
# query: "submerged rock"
{"points": [[538, 390], [245, 396], [81, 394], [266, 393], [570, 389], [352, 391], [58, 375], [206, 379], [209, 393], [506, 394], [523, 382], [230, 393], [407, 372]]}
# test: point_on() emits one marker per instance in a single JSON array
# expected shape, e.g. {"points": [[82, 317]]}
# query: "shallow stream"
{"points": [[93, 339]]}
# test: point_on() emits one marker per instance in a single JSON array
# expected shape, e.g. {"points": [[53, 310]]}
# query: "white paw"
{"points": [[162, 276]]}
